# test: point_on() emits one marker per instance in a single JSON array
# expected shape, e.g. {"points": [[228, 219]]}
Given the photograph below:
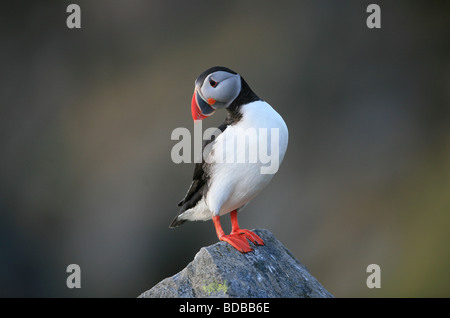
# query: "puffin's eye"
{"points": [[212, 82]]}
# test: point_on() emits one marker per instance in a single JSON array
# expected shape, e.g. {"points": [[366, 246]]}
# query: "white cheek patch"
{"points": [[227, 88]]}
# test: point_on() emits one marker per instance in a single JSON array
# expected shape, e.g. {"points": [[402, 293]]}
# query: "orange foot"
{"points": [[251, 236], [238, 237], [238, 241]]}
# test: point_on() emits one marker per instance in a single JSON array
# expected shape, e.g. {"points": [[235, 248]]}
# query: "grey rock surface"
{"points": [[220, 270]]}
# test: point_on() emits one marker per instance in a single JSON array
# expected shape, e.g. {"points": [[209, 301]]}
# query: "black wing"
{"points": [[194, 194], [199, 185]]}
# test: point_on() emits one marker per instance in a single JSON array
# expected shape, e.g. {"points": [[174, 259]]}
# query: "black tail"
{"points": [[176, 222]]}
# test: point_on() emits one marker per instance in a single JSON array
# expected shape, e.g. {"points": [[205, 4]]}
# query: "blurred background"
{"points": [[86, 117]]}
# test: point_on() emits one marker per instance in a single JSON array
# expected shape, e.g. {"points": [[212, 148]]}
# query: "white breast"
{"points": [[245, 157]]}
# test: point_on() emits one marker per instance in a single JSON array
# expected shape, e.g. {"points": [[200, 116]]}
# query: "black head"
{"points": [[218, 88]]}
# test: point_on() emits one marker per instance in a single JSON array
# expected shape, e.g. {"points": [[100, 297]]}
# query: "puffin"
{"points": [[220, 184]]}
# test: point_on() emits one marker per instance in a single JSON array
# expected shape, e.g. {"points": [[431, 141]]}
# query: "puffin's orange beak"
{"points": [[201, 109]]}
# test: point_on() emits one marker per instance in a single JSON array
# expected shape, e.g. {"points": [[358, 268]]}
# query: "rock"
{"points": [[220, 270]]}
